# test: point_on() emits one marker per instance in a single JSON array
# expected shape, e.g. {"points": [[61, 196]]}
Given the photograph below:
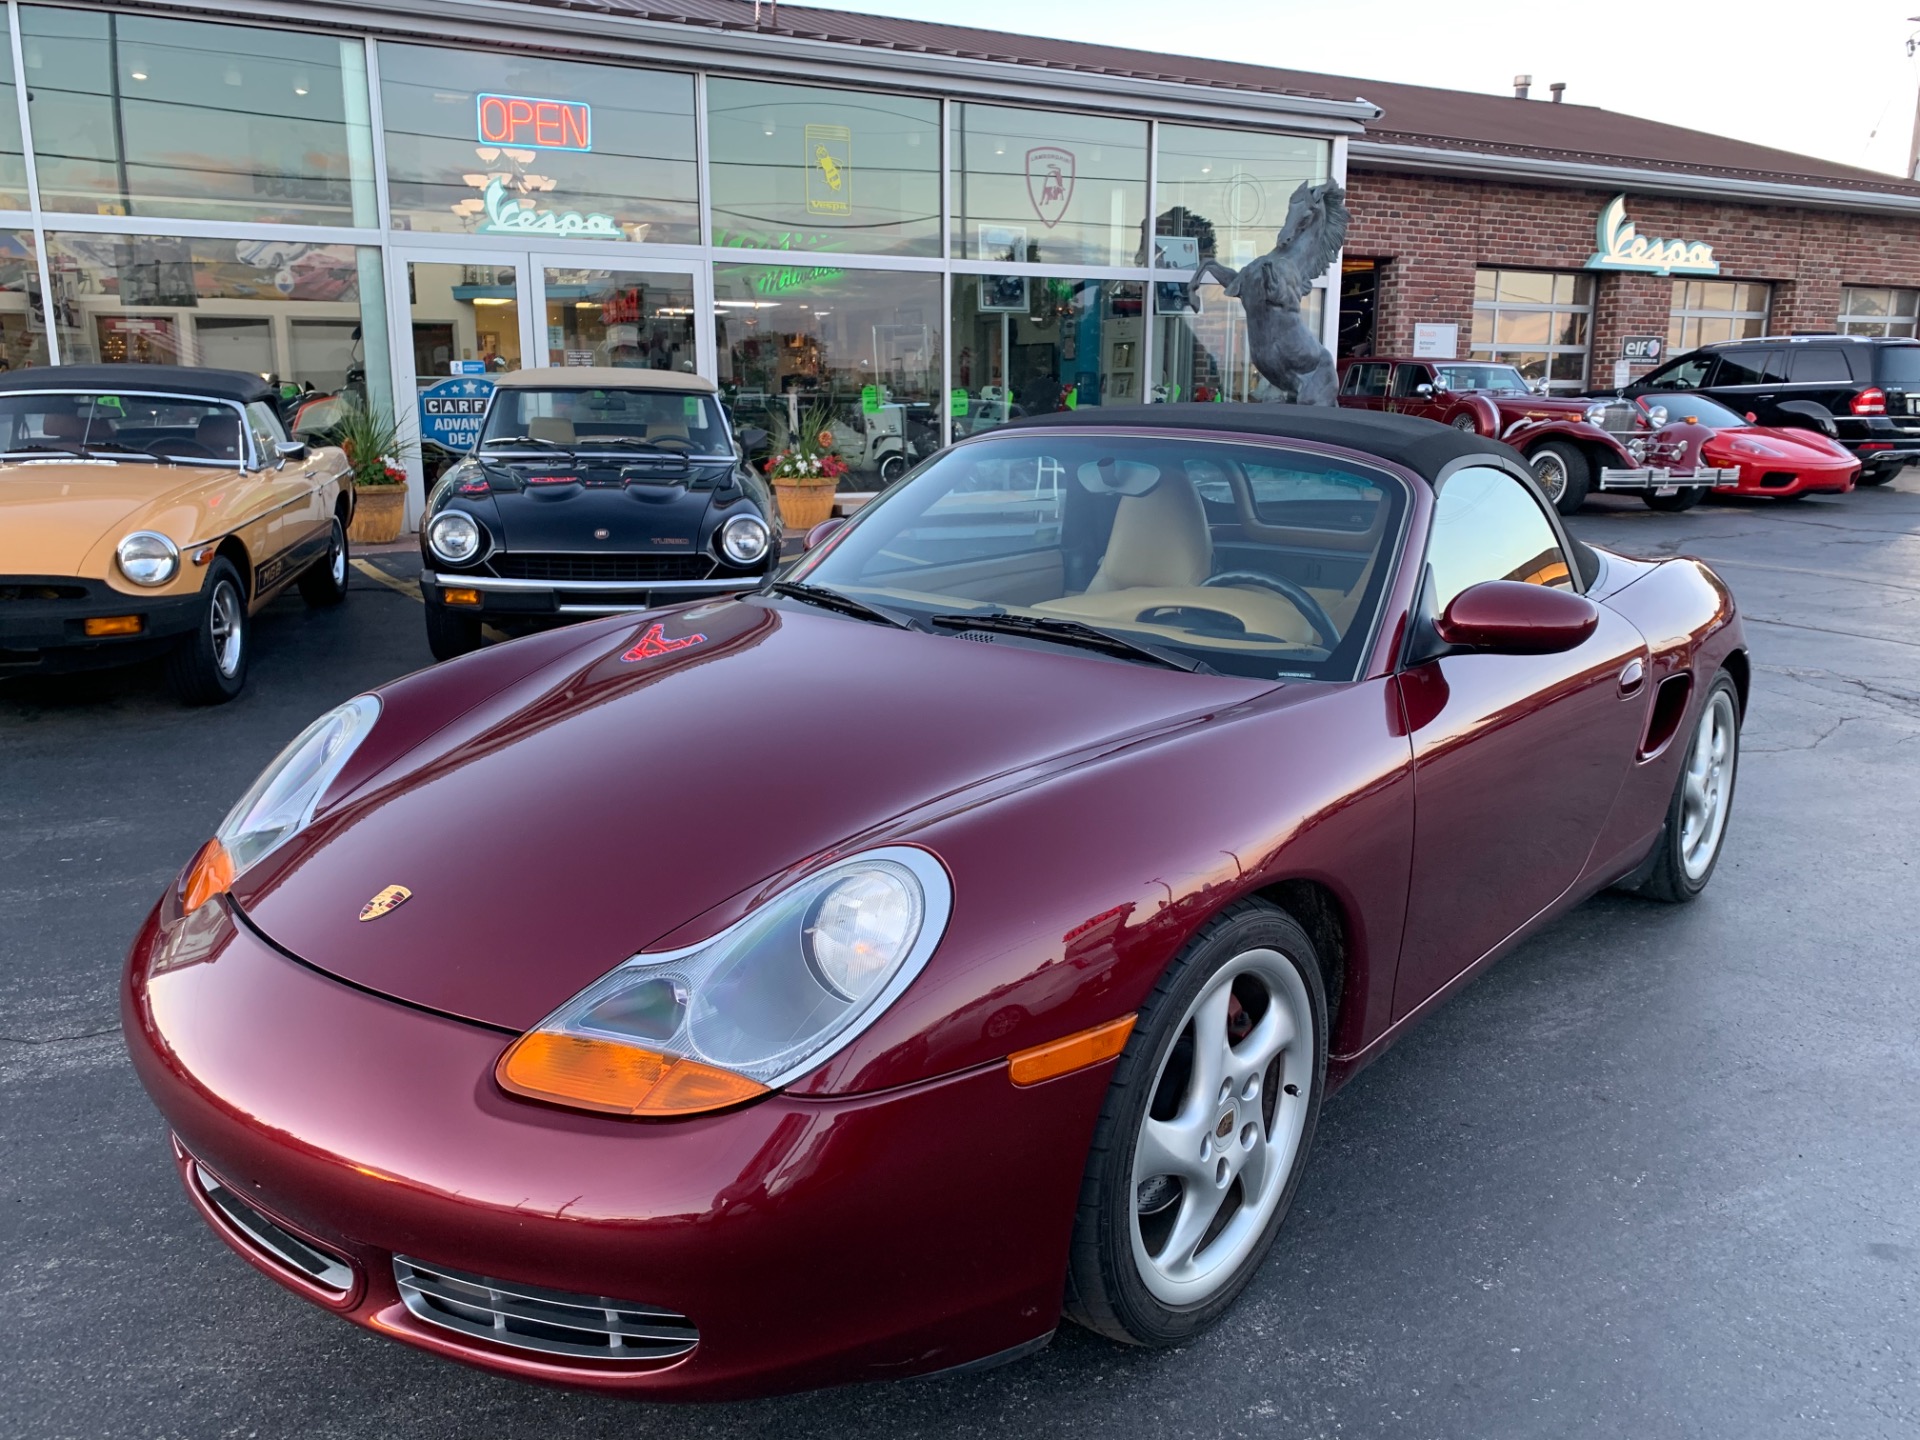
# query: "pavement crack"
{"points": [[1831, 630], [57, 1039]]}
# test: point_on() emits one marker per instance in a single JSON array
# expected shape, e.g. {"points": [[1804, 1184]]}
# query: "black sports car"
{"points": [[591, 492]]}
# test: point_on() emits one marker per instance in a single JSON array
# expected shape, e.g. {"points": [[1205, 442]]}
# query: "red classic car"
{"points": [[578, 1011], [1574, 446], [1771, 460]]}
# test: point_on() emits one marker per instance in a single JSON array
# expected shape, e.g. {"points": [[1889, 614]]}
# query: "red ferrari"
{"points": [[1773, 461], [851, 979]]}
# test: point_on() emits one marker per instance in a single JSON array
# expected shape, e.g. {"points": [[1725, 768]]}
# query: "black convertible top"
{"points": [[1422, 446], [232, 385]]}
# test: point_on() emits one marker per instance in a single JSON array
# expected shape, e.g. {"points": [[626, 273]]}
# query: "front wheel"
{"points": [[324, 582], [1204, 1134], [1685, 498], [1689, 845], [892, 468], [1563, 474], [451, 634], [209, 666], [1464, 421]]}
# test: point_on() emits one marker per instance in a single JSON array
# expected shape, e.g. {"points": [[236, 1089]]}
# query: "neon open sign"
{"points": [[530, 122]]}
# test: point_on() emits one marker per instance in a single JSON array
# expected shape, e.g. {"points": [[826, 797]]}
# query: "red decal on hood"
{"points": [[655, 642]]}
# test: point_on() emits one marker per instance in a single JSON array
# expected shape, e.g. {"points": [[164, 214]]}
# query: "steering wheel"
{"points": [[1293, 594], [192, 449]]}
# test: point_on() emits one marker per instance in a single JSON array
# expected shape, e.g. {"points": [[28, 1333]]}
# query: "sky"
{"points": [[1829, 78]]}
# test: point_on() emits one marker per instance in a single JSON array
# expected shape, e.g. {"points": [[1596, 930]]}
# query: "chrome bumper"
{"points": [[599, 597], [1667, 482]]}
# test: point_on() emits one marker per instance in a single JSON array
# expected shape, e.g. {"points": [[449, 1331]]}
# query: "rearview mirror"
{"points": [[1508, 617], [819, 533]]}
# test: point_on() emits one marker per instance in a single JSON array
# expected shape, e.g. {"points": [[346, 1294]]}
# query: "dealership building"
{"points": [[915, 228]]}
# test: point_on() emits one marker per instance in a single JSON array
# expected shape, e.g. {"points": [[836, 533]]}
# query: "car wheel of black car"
{"points": [[209, 666], [1685, 498], [1204, 1134], [1563, 474], [1689, 845], [451, 634], [325, 581]]}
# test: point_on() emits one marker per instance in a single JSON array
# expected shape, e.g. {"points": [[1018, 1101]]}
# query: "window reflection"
{"points": [[865, 344], [1045, 187], [137, 115], [1030, 345], [23, 335], [620, 317], [1223, 194], [1201, 354]]}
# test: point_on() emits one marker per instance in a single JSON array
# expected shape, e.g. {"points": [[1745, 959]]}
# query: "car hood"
{"points": [[552, 819], [53, 514], [567, 505], [1537, 407], [1799, 446]]}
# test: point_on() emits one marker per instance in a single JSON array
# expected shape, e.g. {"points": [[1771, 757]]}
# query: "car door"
{"points": [[1406, 399], [1365, 385], [1748, 381], [1824, 375], [293, 522], [1517, 758], [1689, 372]]}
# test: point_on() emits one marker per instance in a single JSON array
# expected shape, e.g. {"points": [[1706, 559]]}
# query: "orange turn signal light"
{"points": [[1075, 1052], [585, 1072], [462, 596], [114, 625], [211, 874]]}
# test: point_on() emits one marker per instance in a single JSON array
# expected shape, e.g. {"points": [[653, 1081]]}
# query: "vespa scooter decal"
{"points": [[655, 642]]}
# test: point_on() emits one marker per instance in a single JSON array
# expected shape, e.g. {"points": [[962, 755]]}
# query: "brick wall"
{"points": [[1434, 232]]}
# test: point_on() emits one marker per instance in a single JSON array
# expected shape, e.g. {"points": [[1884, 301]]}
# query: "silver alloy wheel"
{"points": [[1221, 1160], [1707, 786], [1551, 473], [337, 558], [1466, 423], [226, 626]]}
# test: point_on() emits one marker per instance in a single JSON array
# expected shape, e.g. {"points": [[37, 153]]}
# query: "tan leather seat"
{"points": [[1160, 540], [556, 428], [64, 427]]}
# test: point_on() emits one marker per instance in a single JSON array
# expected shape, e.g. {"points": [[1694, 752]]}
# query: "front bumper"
{"points": [[508, 601], [1661, 481], [809, 1242], [43, 623]]}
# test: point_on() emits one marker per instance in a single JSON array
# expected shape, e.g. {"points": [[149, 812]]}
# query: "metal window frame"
{"points": [[1496, 350]]}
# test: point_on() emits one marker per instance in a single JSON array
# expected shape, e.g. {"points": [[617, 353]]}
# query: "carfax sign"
{"points": [[451, 412]]}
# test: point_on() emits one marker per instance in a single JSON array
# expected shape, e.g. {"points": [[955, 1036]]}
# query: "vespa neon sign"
{"points": [[1623, 247], [507, 216]]}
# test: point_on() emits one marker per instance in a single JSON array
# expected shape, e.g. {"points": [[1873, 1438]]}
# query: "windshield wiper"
{"points": [[42, 450], [527, 440], [1071, 632], [637, 442], [833, 600]]}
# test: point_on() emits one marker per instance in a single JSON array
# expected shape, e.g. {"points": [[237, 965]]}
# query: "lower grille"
{"points": [[590, 1327], [43, 592], [603, 567], [322, 1269]]}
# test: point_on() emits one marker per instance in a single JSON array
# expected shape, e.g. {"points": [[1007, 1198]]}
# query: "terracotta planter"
{"points": [[804, 503], [379, 513]]}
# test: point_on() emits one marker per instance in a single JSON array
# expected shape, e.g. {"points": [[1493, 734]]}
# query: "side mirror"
{"points": [[818, 534], [290, 449], [753, 438], [1423, 392], [1507, 617], [1538, 387]]}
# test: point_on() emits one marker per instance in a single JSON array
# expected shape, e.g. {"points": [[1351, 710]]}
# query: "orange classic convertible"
{"points": [[152, 510]]}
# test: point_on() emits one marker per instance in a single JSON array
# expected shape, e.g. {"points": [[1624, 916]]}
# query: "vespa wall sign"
{"points": [[1050, 182], [1623, 247], [507, 216]]}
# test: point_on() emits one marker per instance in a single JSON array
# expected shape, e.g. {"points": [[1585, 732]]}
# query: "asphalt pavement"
{"points": [[1654, 1175]]}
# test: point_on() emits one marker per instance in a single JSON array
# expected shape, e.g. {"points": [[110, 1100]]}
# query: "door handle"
{"points": [[1632, 677], [1763, 397]]}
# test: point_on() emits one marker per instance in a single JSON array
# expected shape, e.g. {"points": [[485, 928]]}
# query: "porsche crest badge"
{"points": [[388, 900]]}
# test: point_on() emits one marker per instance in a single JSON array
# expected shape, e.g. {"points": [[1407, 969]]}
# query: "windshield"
{"points": [[1698, 408], [201, 432], [1500, 379], [1252, 559], [603, 420]]}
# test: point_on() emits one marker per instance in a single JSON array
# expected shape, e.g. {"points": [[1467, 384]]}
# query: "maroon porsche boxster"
{"points": [[850, 979]]}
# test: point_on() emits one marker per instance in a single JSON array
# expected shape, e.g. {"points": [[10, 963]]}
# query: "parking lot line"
{"points": [[408, 588]]}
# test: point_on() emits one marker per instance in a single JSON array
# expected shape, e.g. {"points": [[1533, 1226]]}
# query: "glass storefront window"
{"points": [[1030, 345], [1878, 311], [535, 149], [139, 115], [23, 334], [1048, 188], [1202, 354], [803, 167], [1706, 311], [283, 308], [862, 344], [13, 165], [636, 318], [1223, 194], [1535, 320]]}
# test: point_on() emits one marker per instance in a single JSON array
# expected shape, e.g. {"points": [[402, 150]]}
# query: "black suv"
{"points": [[1869, 387]]}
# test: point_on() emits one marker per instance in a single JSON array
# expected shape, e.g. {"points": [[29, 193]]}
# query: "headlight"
{"points": [[748, 1011], [1595, 415], [282, 801], [454, 536], [148, 559], [744, 539], [1756, 447]]}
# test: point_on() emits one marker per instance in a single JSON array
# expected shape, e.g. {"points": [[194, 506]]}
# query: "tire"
{"points": [[1685, 498], [324, 582], [1465, 422], [1877, 477], [1563, 474], [209, 666], [892, 468], [1679, 869], [451, 634], [1124, 1280]]}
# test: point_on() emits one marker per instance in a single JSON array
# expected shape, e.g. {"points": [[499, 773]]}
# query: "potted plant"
{"points": [[377, 453], [805, 468]]}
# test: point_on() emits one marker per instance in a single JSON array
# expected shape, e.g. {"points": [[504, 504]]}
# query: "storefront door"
{"points": [[641, 314]]}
